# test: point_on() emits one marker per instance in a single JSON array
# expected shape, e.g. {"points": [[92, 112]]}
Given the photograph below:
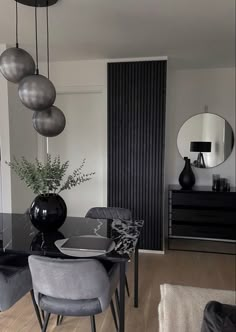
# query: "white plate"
{"points": [[81, 253]]}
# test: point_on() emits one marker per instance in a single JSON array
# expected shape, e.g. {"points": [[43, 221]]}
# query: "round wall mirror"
{"points": [[206, 139]]}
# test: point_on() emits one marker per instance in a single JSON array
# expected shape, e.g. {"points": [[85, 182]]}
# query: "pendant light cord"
{"points": [[48, 60], [48, 51], [36, 37], [17, 41]]}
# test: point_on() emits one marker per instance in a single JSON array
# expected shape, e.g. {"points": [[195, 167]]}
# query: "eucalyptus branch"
{"points": [[48, 178]]}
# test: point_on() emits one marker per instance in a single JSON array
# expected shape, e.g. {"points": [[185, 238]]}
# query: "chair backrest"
{"points": [[109, 213], [69, 279]]}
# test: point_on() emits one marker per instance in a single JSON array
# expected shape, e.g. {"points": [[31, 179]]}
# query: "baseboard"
{"points": [[156, 252]]}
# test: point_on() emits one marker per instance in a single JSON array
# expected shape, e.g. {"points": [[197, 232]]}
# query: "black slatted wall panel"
{"points": [[136, 126]]}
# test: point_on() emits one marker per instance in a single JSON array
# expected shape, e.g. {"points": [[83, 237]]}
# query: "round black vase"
{"points": [[187, 177], [48, 212]]}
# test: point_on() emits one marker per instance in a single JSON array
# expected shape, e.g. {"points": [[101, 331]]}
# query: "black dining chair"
{"points": [[111, 213], [72, 287], [15, 282]]}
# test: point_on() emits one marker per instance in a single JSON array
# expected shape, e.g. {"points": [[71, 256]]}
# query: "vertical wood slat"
{"points": [[136, 129]]}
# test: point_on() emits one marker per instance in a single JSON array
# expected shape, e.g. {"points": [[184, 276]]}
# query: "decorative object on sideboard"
{"points": [[215, 182], [200, 147], [36, 91], [196, 134], [48, 210], [187, 177], [220, 184]]}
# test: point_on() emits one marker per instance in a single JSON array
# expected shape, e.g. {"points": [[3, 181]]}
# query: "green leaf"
{"points": [[49, 177]]}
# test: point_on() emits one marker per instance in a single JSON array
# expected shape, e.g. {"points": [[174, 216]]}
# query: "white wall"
{"points": [[188, 91], [17, 138], [82, 96], [0, 187], [83, 137], [23, 143], [4, 143]]}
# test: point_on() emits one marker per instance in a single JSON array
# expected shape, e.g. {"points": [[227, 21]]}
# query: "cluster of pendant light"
{"points": [[36, 91]]}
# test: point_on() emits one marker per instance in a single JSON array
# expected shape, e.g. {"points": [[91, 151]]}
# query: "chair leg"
{"points": [[117, 303], [59, 319], [42, 313], [36, 308], [93, 324], [127, 286], [45, 324], [114, 314]]}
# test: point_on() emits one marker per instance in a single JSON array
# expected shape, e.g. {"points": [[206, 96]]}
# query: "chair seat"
{"points": [[70, 307]]}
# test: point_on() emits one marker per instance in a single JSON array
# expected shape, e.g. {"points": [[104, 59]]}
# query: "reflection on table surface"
{"points": [[18, 235]]}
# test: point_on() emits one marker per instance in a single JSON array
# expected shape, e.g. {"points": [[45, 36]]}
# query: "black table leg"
{"points": [[136, 268], [122, 298]]}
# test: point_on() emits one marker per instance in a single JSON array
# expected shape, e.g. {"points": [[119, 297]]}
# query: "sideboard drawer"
{"points": [[223, 217], [216, 200], [218, 232]]}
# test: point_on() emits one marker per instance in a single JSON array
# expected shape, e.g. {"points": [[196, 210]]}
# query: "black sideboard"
{"points": [[202, 220]]}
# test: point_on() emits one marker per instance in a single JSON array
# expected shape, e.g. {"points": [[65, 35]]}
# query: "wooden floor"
{"points": [[193, 269]]}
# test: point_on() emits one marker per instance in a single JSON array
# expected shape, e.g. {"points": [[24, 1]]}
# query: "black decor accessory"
{"points": [[48, 212], [220, 184], [187, 177], [227, 185], [223, 184], [216, 182]]}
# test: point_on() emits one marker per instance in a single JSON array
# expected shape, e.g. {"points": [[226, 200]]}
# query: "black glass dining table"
{"points": [[19, 236]]}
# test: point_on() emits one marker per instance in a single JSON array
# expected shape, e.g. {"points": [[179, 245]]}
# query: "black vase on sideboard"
{"points": [[187, 177]]}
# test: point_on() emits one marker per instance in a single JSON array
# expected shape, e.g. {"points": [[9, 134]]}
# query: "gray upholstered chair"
{"points": [[15, 281], [110, 213], [72, 287]]}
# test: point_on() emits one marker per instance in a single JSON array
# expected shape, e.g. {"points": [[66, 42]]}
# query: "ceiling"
{"points": [[193, 33]]}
